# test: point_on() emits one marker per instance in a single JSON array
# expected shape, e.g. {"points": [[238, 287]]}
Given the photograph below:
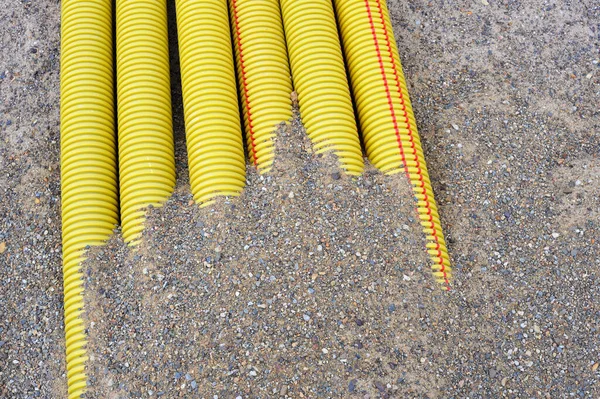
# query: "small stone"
{"points": [[336, 176], [2, 247], [405, 277], [325, 351], [352, 386], [252, 373], [306, 317], [291, 194], [194, 384], [555, 235], [283, 391], [595, 366], [504, 381], [359, 322], [492, 373]]}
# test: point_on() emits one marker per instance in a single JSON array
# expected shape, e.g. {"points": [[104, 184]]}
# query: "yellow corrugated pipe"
{"points": [[212, 118], [263, 74], [146, 150], [385, 113], [88, 160], [320, 80]]}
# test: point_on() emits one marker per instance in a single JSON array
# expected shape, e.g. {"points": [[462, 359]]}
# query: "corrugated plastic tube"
{"points": [[320, 80], [88, 159], [263, 74], [212, 118], [385, 113], [145, 134]]}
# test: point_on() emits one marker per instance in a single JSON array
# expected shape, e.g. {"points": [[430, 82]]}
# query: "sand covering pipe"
{"points": [[320, 80], [212, 118], [88, 160], [146, 150], [385, 113], [263, 74]]}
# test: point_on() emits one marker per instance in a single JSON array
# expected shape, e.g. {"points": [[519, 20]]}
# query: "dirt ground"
{"points": [[506, 97]]}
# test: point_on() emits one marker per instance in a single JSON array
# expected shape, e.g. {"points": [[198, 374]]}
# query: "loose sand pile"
{"points": [[298, 287]]}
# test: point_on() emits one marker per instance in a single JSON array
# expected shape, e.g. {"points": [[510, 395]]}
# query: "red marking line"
{"points": [[244, 81], [406, 119]]}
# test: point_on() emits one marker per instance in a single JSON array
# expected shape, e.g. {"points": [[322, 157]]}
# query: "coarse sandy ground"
{"points": [[506, 96]]}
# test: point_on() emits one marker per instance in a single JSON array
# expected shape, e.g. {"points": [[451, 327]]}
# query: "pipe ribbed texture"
{"points": [[320, 80], [88, 160], [263, 74], [212, 118], [146, 150], [385, 113]]}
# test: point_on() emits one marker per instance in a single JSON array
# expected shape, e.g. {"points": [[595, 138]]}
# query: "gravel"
{"points": [[505, 95], [242, 293]]}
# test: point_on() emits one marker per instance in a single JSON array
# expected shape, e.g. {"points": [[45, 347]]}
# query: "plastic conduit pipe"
{"points": [[263, 74], [88, 160], [212, 118], [320, 80], [385, 113], [146, 150]]}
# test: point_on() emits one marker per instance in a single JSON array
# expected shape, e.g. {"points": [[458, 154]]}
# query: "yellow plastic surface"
{"points": [[385, 113], [320, 80], [263, 74], [88, 160], [212, 117], [146, 150]]}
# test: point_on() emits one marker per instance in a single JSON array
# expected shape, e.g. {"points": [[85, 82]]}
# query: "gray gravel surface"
{"points": [[299, 286], [506, 96]]}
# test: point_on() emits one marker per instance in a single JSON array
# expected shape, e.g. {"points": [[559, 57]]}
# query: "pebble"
{"points": [[352, 385]]}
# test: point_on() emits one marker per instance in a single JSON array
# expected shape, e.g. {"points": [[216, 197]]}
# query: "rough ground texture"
{"points": [[506, 96]]}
